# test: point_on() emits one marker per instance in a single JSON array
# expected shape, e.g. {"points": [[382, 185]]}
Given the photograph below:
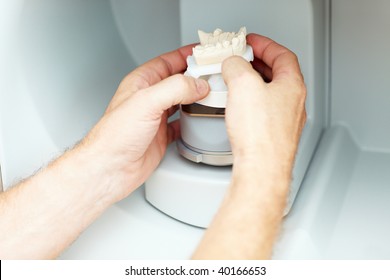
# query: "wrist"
{"points": [[261, 176], [57, 203], [90, 173]]}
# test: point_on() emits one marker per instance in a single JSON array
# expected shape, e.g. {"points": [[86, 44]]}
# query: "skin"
{"points": [[271, 116], [45, 213]]}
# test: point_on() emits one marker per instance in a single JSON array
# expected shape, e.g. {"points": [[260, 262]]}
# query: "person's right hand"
{"points": [[264, 122], [265, 119]]}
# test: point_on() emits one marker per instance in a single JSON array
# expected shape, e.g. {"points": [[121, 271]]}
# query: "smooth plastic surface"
{"points": [[343, 208], [133, 229], [359, 101], [205, 157], [205, 133], [185, 190], [217, 96], [63, 63], [196, 71]]}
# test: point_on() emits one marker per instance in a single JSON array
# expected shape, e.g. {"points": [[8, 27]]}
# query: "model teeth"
{"points": [[215, 47]]}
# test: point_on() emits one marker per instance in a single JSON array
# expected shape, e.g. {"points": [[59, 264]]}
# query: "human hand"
{"points": [[134, 133], [264, 122], [119, 153], [265, 119]]}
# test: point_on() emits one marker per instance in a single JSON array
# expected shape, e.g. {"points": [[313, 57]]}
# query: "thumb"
{"points": [[240, 77], [177, 89]]}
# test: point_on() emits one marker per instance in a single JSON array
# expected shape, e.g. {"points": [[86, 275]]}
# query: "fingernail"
{"points": [[202, 86]]}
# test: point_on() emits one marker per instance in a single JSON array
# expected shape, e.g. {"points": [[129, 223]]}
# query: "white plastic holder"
{"points": [[196, 71], [218, 91], [181, 186], [187, 191]]}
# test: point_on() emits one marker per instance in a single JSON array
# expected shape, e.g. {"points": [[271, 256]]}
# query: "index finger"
{"points": [[283, 62], [161, 67]]}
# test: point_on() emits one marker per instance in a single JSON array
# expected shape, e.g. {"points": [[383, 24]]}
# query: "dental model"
{"points": [[203, 140], [203, 131], [215, 47]]}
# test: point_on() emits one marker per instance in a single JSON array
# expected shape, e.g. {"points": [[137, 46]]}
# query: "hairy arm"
{"points": [[248, 221], [264, 123], [44, 214]]}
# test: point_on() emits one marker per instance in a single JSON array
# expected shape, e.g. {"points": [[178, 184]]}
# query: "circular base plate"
{"points": [[185, 190], [206, 157]]}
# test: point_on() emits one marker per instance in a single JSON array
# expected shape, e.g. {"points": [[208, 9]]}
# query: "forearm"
{"points": [[264, 121], [43, 215], [248, 221]]}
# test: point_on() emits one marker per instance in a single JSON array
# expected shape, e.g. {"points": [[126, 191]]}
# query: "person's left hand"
{"points": [[134, 132]]}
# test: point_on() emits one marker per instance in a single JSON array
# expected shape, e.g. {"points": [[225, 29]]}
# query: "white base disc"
{"points": [[187, 191]]}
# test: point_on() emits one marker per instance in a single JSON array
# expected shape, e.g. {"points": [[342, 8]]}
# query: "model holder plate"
{"points": [[206, 157]]}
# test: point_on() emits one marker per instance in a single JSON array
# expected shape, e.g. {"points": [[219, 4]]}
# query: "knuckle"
{"points": [[182, 81], [298, 94], [232, 60], [303, 89], [304, 114], [246, 77], [300, 88], [293, 56], [304, 117], [302, 101]]}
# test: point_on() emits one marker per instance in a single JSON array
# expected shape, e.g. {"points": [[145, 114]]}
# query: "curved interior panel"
{"points": [[65, 62], [72, 58], [148, 27], [360, 71]]}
